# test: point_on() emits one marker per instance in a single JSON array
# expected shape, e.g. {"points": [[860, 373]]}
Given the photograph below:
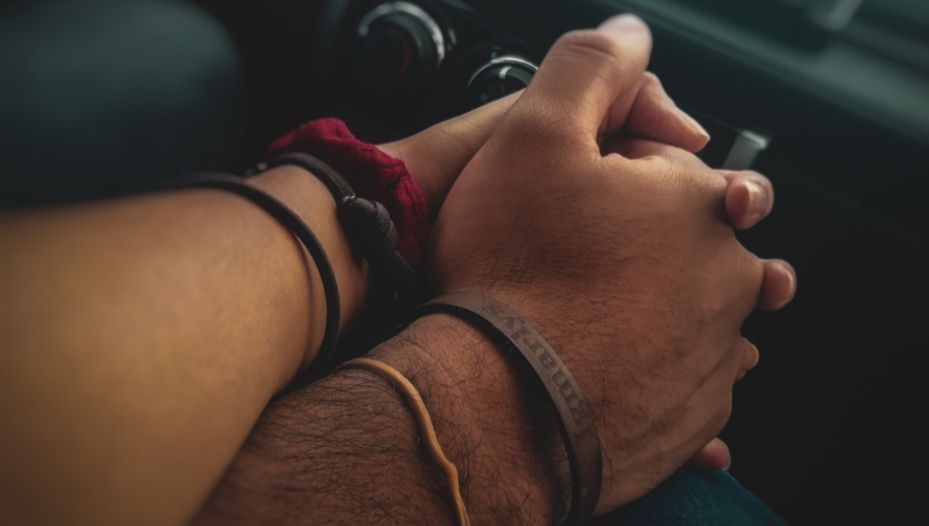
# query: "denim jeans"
{"points": [[692, 498]]}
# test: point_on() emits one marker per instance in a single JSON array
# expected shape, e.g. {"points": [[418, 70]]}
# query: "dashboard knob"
{"points": [[500, 77], [400, 44]]}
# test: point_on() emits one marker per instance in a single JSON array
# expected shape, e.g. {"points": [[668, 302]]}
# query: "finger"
{"points": [[470, 131], [749, 197], [750, 358], [625, 98], [746, 358], [761, 287], [654, 115], [635, 148], [712, 408], [436, 156], [713, 456], [591, 77], [779, 285]]}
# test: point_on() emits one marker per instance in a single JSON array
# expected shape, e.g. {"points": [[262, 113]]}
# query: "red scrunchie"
{"points": [[372, 173]]}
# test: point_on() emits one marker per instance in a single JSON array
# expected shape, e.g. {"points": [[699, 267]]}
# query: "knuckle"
{"points": [[715, 186], [756, 177], [719, 416], [764, 182], [722, 416], [589, 42], [647, 151], [527, 123], [750, 282], [594, 49], [650, 79], [540, 126]]}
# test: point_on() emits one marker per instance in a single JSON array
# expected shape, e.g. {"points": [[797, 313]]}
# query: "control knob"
{"points": [[400, 44], [500, 77]]}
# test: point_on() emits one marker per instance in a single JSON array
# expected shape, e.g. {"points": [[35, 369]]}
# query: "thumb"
{"points": [[589, 79]]}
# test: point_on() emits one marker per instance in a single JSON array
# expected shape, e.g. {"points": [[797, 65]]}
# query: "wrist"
{"points": [[312, 201], [424, 169], [490, 418]]}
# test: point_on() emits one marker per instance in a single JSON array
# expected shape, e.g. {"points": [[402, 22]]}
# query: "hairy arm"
{"points": [[345, 450]]}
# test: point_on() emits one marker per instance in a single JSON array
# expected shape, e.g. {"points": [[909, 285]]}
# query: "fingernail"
{"points": [[685, 117], [791, 282], [791, 277], [626, 23], [757, 205], [694, 125]]}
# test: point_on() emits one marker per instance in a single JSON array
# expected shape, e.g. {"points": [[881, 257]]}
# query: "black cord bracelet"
{"points": [[325, 359], [335, 183]]}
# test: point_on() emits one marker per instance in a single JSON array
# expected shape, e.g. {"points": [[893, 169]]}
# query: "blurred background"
{"points": [[829, 98]]}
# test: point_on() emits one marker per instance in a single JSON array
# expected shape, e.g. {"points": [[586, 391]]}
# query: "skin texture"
{"points": [[109, 306], [648, 320], [345, 450], [144, 336], [626, 264]]}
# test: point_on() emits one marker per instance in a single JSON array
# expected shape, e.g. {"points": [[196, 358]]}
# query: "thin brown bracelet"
{"points": [[415, 401], [576, 422]]}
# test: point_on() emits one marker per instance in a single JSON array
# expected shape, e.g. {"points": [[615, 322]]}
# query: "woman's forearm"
{"points": [[141, 339]]}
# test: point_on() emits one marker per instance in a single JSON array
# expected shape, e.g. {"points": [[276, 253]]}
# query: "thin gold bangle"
{"points": [[421, 413]]}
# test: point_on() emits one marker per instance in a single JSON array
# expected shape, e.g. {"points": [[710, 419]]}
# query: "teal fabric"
{"points": [[104, 97], [695, 498]]}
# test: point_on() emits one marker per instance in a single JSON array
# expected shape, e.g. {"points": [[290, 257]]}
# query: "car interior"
{"points": [[828, 98]]}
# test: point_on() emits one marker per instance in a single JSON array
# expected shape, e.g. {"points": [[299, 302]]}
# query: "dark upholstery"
{"points": [[104, 97]]}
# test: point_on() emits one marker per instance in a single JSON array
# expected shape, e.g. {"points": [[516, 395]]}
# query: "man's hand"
{"points": [[618, 252], [437, 155]]}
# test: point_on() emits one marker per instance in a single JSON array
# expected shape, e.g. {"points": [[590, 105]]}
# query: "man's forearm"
{"points": [[346, 449]]}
